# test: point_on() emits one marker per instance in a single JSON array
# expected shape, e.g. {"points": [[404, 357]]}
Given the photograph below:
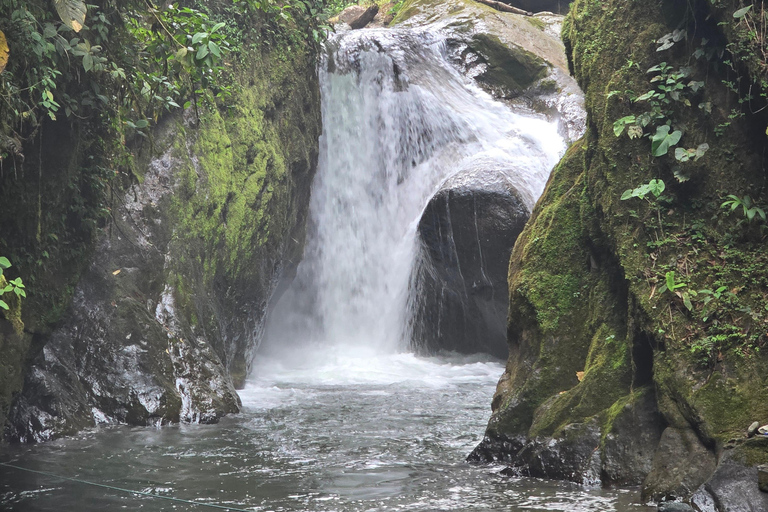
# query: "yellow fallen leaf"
{"points": [[580, 376], [5, 52], [116, 272]]}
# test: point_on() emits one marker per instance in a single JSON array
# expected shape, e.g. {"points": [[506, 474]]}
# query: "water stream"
{"points": [[337, 414]]}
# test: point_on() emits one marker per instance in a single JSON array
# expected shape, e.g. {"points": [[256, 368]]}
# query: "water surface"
{"points": [[345, 432]]}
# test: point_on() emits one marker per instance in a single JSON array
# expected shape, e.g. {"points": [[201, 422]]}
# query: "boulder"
{"points": [[680, 465], [358, 16], [518, 59], [466, 233]]}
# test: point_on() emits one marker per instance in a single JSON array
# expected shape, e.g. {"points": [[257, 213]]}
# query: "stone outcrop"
{"points": [[467, 232], [168, 312], [469, 227], [593, 335]]}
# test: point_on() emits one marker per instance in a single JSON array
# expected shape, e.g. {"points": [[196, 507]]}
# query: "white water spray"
{"points": [[398, 120]]}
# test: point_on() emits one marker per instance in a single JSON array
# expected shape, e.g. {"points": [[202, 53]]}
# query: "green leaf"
{"points": [[687, 302], [141, 123], [87, 62], [201, 53], [627, 194], [741, 12], [656, 187], [4, 262], [214, 49], [663, 140], [217, 26], [4, 305], [681, 154], [645, 96], [71, 12], [618, 126], [199, 37], [670, 280]]}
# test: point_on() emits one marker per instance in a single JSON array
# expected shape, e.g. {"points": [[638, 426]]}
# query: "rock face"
{"points": [[555, 6], [469, 227], [592, 335], [166, 316], [518, 59], [358, 16], [467, 232]]}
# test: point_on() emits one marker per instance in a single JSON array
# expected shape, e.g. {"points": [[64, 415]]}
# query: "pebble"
{"points": [[752, 430]]}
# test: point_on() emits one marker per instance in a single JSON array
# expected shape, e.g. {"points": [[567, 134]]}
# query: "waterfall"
{"points": [[398, 120]]}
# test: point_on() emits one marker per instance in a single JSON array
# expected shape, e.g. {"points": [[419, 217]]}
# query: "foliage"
{"points": [[655, 187], [745, 203], [14, 286]]}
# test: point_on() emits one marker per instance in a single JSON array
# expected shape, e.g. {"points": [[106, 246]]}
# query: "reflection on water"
{"points": [[346, 433]]}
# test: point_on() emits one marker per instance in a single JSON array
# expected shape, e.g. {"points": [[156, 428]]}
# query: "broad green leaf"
{"points": [[703, 148], [627, 194], [87, 62], [618, 126], [645, 96], [663, 140], [681, 154], [141, 123], [670, 280], [687, 302], [741, 12], [199, 37], [202, 52], [656, 187], [4, 262], [217, 26], [71, 12], [214, 48], [4, 305]]}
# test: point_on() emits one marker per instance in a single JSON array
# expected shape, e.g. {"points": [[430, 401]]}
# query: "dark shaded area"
{"points": [[467, 233]]}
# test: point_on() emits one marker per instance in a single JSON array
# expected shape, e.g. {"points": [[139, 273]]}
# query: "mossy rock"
{"points": [[589, 266]]}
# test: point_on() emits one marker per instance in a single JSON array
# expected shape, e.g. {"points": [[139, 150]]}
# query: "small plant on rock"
{"points": [[13, 286]]}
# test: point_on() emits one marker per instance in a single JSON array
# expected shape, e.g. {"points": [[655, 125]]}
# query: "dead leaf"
{"points": [[5, 52], [580, 376], [72, 13], [116, 272]]}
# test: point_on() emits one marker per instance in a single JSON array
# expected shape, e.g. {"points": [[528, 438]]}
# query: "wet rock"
{"points": [[735, 487], [358, 16], [674, 506], [762, 477], [752, 430], [680, 465], [555, 6], [467, 232], [629, 445], [518, 59]]}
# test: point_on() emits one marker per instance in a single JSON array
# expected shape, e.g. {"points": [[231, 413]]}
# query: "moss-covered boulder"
{"points": [[647, 309], [168, 312]]}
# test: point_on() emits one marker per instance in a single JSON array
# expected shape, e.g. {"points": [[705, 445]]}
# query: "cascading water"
{"points": [[325, 427], [398, 120]]}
